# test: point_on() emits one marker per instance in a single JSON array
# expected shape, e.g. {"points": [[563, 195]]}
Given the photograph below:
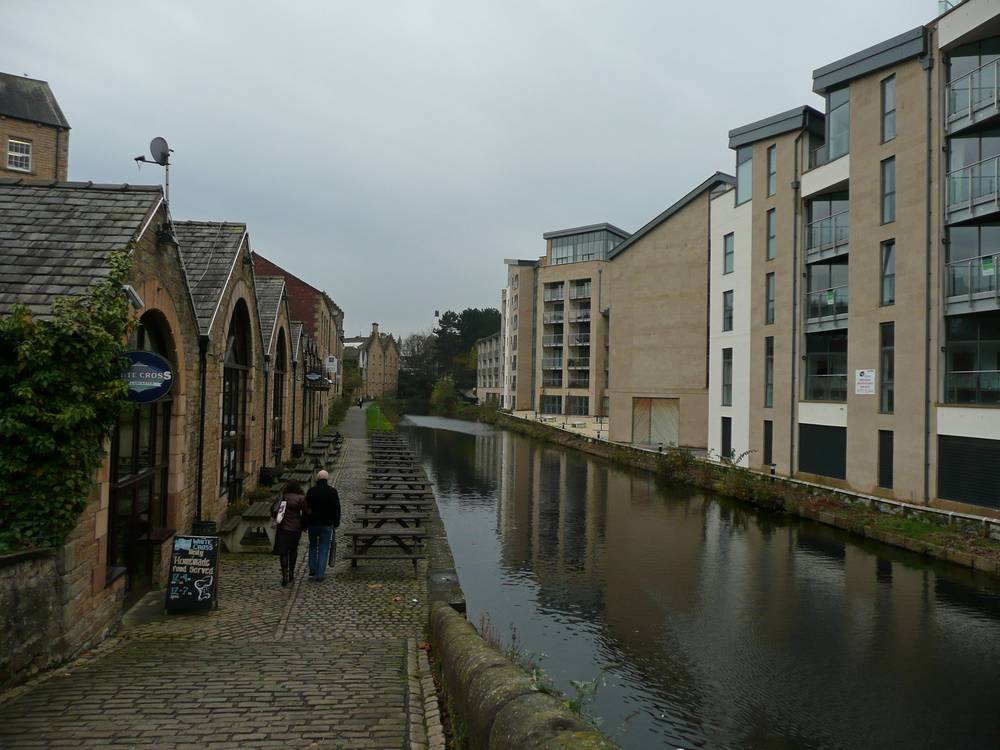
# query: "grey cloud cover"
{"points": [[395, 152]]}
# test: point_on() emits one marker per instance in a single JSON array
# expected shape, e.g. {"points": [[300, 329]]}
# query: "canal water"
{"points": [[707, 623]]}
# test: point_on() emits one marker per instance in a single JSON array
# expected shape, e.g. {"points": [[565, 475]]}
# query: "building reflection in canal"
{"points": [[715, 625]]}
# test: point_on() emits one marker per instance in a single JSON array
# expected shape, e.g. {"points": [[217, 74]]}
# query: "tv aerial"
{"points": [[160, 152]]}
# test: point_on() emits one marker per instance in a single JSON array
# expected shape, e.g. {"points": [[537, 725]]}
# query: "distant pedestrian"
{"points": [[288, 515], [323, 504]]}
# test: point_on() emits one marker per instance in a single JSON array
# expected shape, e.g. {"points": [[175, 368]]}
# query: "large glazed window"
{"points": [[887, 368], [972, 359], [235, 380], [140, 458], [578, 248], [973, 256], [278, 403], [838, 122], [744, 174], [827, 221], [826, 366], [972, 76]]}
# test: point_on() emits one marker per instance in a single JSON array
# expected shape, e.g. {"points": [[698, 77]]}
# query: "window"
{"points": [[551, 404], [727, 310], [772, 234], [888, 109], [885, 459], [769, 300], [887, 367], [887, 271], [235, 375], [744, 174], [728, 253], [726, 443], [727, 377], [578, 406], [772, 170], [828, 222], [18, 155], [838, 122], [583, 247], [278, 402], [768, 442], [889, 190], [769, 372], [826, 366], [972, 259], [972, 359]]}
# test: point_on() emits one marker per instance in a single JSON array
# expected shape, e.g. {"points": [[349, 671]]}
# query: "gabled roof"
{"points": [[583, 230], [29, 99], [210, 251], [296, 326], [55, 237], [800, 118], [909, 44], [270, 293], [719, 178]]}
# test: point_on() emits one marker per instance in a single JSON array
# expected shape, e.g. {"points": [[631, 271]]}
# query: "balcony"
{"points": [[578, 363], [579, 339], [552, 340], [552, 363], [551, 318], [580, 292], [828, 238], [826, 309], [826, 387], [971, 285], [973, 98], [824, 177], [553, 295], [578, 383], [972, 387], [552, 382], [580, 316], [972, 191]]}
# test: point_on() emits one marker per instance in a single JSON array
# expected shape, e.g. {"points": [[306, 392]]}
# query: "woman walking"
{"points": [[289, 518]]}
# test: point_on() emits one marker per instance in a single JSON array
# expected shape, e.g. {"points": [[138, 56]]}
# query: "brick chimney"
{"points": [[374, 329]]}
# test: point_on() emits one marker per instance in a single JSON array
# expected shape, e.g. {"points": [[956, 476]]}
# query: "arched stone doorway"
{"points": [[235, 388], [140, 469]]}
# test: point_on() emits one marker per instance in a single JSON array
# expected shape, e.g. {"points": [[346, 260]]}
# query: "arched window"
{"points": [[278, 420], [140, 455], [235, 379]]}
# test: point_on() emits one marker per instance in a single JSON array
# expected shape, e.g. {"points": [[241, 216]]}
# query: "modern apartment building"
{"points": [[659, 325], [571, 327], [517, 326], [489, 368]]}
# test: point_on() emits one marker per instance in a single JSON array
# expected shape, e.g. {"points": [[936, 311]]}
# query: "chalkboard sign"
{"points": [[194, 573]]}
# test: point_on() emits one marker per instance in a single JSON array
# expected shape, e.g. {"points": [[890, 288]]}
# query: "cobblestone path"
{"points": [[319, 665]]}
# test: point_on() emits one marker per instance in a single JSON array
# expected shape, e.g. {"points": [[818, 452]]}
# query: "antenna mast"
{"points": [[160, 152]]}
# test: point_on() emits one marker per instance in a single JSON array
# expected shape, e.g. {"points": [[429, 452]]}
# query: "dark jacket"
{"points": [[294, 509], [324, 505]]}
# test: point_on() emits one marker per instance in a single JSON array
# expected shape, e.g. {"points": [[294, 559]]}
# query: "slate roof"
{"points": [[28, 99], [55, 237], [296, 327], [270, 291], [209, 250]]}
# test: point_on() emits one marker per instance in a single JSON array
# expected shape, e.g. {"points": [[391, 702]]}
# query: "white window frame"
{"points": [[12, 154]]}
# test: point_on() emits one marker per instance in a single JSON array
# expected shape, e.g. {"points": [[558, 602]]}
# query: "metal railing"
{"points": [[553, 295], [552, 363], [975, 91], [825, 302], [822, 155], [975, 183], [579, 339], [552, 318], [552, 340], [578, 363], [826, 387], [579, 383], [579, 317], [973, 276], [829, 232], [972, 387], [580, 292], [552, 382]]}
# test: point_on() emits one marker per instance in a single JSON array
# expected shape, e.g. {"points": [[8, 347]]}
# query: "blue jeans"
{"points": [[322, 547]]}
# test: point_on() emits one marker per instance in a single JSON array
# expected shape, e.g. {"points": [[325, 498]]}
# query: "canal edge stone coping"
{"points": [[496, 701]]}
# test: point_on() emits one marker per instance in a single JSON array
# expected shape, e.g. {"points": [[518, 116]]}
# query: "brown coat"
{"points": [[294, 509]]}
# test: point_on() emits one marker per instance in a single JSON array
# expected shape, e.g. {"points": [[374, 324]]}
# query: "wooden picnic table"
{"points": [[403, 518], [389, 493], [398, 484], [371, 544], [404, 504]]}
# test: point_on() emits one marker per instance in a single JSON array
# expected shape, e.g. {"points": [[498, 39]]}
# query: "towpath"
{"points": [[335, 664]]}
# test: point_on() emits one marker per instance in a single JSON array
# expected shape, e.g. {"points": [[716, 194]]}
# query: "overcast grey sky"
{"points": [[394, 153]]}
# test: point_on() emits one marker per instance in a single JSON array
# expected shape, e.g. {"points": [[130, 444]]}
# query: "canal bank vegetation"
{"points": [[338, 408], [959, 539], [61, 389], [379, 419]]}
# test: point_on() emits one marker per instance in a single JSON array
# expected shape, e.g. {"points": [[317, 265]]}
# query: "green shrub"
{"points": [[61, 389]]}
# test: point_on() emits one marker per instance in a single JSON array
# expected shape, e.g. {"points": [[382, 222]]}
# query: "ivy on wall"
{"points": [[61, 388]]}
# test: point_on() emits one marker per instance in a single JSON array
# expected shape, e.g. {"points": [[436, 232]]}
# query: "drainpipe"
{"points": [[267, 371], [202, 367], [793, 404], [928, 64], [295, 366]]}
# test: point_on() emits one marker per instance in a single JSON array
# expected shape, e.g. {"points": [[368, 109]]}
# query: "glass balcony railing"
{"points": [[827, 152], [826, 302], [550, 318], [552, 382], [553, 295], [973, 184], [973, 387], [552, 340], [832, 231], [579, 383], [580, 292], [552, 363], [826, 387], [578, 363], [974, 92], [581, 316], [972, 276], [579, 339]]}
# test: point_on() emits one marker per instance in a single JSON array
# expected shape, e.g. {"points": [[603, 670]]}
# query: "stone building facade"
{"points": [[378, 363], [489, 368], [34, 132]]}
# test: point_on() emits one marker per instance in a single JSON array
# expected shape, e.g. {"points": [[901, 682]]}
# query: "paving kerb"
{"points": [[331, 664]]}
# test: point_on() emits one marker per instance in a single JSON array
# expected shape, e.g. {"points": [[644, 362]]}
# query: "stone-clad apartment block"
{"points": [[832, 312]]}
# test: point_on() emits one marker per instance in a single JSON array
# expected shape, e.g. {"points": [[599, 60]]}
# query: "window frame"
{"points": [[744, 183], [772, 234], [887, 248], [29, 154], [887, 167], [769, 294], [769, 372], [728, 305], [888, 84], [728, 253], [887, 368], [772, 169], [727, 377]]}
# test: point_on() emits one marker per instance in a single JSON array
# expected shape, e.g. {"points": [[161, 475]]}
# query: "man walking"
{"points": [[323, 503]]}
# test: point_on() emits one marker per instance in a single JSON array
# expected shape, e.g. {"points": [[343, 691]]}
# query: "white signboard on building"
{"points": [[331, 365], [864, 382]]}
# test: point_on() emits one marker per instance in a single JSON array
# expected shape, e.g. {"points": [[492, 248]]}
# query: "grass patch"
{"points": [[377, 419]]}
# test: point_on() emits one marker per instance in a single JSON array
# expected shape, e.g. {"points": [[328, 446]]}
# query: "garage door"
{"points": [[969, 470], [640, 420], [655, 420]]}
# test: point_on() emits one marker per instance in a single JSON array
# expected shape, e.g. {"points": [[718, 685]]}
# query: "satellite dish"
{"points": [[159, 150]]}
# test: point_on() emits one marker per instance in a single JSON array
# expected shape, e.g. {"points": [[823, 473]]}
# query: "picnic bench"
{"points": [[399, 484], [235, 528], [390, 505], [401, 517], [378, 543]]}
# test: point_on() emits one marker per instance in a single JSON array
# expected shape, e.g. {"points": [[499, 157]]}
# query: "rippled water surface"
{"points": [[712, 625]]}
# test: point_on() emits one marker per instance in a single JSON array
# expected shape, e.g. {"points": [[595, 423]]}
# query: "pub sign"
{"points": [[149, 377]]}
